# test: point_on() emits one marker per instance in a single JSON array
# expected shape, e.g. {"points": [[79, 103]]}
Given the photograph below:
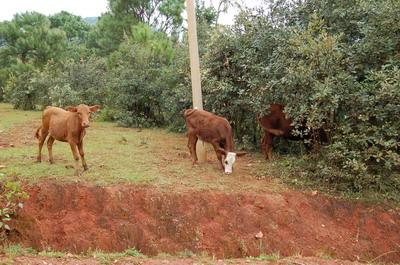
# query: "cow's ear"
{"points": [[241, 153], [94, 108], [71, 109], [222, 151]]}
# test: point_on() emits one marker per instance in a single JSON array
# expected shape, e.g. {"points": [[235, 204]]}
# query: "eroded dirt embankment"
{"points": [[78, 218]]}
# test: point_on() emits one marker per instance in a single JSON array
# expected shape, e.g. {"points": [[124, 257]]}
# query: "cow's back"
{"points": [[207, 125], [58, 122], [204, 119]]}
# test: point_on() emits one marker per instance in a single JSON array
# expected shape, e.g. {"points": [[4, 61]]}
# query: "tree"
{"points": [[114, 26], [163, 15], [29, 38], [75, 28], [108, 33], [141, 77], [28, 44]]}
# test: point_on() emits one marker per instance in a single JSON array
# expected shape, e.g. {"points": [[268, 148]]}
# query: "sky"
{"points": [[83, 8]]}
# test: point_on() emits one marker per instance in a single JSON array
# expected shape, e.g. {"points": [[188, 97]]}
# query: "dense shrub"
{"points": [[18, 89], [366, 146], [71, 83], [141, 77]]}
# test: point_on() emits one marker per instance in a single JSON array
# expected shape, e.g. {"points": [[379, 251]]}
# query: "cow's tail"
{"points": [[189, 112], [259, 117], [38, 132], [275, 132]]}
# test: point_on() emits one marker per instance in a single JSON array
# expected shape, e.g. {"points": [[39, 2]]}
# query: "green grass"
{"points": [[153, 157], [122, 155], [16, 250], [109, 258], [10, 117], [103, 257], [267, 257]]}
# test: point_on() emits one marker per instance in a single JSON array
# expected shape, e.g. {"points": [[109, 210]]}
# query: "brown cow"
{"points": [[276, 124], [212, 129], [65, 126]]}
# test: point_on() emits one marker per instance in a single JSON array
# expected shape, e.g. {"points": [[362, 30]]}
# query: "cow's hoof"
{"points": [[51, 161], [38, 161], [85, 168]]}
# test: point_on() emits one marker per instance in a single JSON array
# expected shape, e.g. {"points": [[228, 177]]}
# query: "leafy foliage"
{"points": [[75, 28], [141, 74], [11, 197], [18, 89], [115, 26], [29, 38]]}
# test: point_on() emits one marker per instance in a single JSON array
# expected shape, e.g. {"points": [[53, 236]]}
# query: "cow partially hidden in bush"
{"points": [[276, 124], [65, 126], [212, 129]]}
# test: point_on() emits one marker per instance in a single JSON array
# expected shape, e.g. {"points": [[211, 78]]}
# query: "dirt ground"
{"points": [[19, 135], [34, 260], [82, 217]]}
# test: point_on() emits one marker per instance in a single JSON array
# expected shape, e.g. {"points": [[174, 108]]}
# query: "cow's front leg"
{"points": [[82, 154], [192, 146], [74, 149], [220, 156]]}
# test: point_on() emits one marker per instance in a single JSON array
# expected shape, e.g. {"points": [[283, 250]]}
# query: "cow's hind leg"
{"points": [[192, 146], [74, 149], [268, 151], [42, 137], [50, 142], [267, 141], [263, 145], [82, 154]]}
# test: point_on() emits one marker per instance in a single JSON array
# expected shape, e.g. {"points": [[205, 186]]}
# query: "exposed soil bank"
{"points": [[78, 218]]}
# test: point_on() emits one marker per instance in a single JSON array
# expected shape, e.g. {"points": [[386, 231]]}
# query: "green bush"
{"points": [[18, 89], [11, 197], [141, 77], [366, 146]]}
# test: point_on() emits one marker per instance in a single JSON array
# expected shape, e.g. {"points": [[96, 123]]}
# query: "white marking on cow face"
{"points": [[229, 161]]}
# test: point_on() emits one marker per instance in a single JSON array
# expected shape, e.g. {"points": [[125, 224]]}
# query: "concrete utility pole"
{"points": [[195, 70]]}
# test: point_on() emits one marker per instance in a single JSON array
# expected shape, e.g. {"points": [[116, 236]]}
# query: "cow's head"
{"points": [[228, 159], [84, 112]]}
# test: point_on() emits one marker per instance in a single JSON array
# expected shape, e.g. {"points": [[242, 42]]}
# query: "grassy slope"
{"points": [[149, 156]]}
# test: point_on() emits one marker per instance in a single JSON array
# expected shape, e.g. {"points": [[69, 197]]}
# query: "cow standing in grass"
{"points": [[276, 124], [65, 126], [212, 129]]}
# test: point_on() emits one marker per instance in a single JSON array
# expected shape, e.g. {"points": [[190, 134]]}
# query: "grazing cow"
{"points": [[65, 126], [276, 124], [212, 129]]}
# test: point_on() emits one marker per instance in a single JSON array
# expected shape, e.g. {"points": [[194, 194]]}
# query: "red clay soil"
{"points": [[80, 217], [38, 260]]}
